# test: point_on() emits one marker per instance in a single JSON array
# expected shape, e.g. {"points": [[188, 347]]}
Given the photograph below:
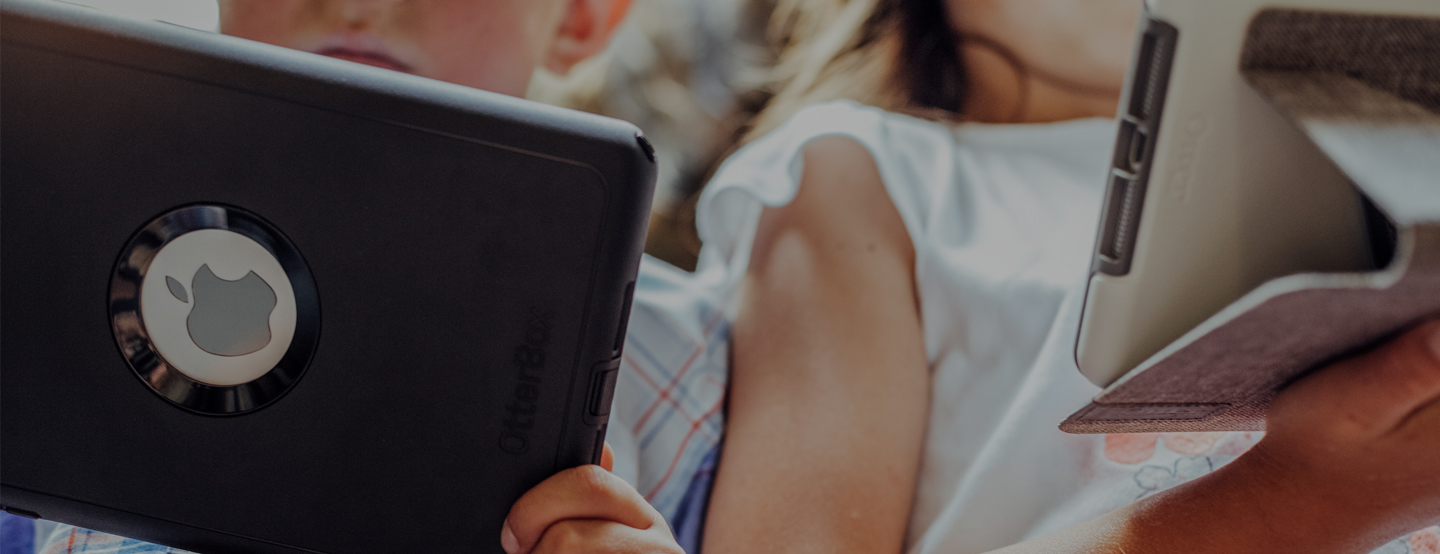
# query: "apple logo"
{"points": [[218, 307], [229, 318], [214, 309]]}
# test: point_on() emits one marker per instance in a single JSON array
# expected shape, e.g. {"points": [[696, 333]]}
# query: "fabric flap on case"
{"points": [[1222, 375]]}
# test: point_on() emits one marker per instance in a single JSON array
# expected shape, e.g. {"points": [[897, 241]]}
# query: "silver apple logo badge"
{"points": [[214, 309], [228, 318]]}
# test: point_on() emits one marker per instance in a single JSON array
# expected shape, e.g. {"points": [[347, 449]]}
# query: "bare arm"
{"points": [[829, 389], [1350, 462], [829, 397]]}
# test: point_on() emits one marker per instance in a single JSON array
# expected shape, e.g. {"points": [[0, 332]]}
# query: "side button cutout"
{"points": [[624, 320], [1135, 149], [602, 391], [599, 451]]}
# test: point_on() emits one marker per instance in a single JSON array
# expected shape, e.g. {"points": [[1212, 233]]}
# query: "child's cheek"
{"points": [[496, 49], [272, 21], [501, 64]]}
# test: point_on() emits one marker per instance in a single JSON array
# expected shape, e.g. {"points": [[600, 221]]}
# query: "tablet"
{"points": [[1212, 191], [258, 300]]}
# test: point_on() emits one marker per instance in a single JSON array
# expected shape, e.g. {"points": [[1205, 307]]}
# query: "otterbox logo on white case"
{"points": [[1182, 176]]}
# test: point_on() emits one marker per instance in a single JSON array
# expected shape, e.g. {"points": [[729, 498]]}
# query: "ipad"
{"points": [[1212, 191], [258, 300]]}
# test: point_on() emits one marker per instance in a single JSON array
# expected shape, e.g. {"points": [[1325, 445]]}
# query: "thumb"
{"points": [[1374, 392], [585, 492]]}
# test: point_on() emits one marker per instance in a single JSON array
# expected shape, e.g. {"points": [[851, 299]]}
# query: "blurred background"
{"points": [[690, 73]]}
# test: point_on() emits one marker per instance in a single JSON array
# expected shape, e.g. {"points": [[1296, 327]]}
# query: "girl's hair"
{"points": [[898, 55]]}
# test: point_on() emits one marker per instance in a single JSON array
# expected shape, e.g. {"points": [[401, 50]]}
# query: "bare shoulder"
{"points": [[828, 363], [842, 206]]}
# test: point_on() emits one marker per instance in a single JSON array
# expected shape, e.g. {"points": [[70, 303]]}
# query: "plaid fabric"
{"points": [[65, 539], [671, 393], [670, 396]]}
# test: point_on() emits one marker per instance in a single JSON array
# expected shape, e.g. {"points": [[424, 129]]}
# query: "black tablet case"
{"points": [[441, 224]]}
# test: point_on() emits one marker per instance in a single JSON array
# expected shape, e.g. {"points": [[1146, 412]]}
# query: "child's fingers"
{"points": [[574, 536], [607, 458], [1373, 393], [585, 492]]}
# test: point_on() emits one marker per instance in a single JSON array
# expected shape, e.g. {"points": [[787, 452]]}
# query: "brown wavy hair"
{"points": [[898, 55]]}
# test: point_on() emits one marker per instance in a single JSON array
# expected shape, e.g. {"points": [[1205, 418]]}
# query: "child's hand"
{"points": [[586, 509], [1360, 440]]}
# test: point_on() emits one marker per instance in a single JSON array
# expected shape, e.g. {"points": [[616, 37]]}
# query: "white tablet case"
{"points": [[1365, 89]]}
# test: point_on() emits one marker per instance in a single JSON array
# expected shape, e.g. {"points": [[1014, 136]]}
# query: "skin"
{"points": [[829, 386], [494, 45], [1035, 61], [1351, 460], [586, 509], [817, 358]]}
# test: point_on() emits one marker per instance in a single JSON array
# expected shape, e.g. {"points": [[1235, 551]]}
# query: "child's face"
{"points": [[488, 44], [1081, 43]]}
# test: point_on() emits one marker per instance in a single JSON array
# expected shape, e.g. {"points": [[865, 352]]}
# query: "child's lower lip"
{"points": [[367, 58]]}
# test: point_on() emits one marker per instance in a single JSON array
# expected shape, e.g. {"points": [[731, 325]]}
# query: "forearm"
{"points": [[1348, 462], [1243, 508]]}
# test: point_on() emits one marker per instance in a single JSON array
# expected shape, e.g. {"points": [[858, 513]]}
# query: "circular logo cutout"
{"points": [[214, 309]]}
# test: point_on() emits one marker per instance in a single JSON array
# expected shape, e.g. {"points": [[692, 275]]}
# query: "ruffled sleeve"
{"points": [[913, 156]]}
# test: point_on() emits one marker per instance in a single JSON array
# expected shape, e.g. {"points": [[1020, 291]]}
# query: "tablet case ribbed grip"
{"points": [[1377, 116], [1134, 150]]}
